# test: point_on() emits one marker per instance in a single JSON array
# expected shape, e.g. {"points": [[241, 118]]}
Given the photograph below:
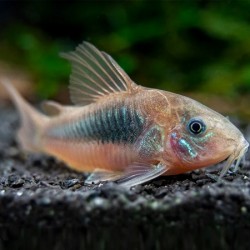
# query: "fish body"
{"points": [[121, 131]]}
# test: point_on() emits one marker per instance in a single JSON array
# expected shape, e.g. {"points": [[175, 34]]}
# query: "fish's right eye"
{"points": [[196, 126]]}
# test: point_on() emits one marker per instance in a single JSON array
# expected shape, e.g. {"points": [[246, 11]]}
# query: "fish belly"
{"points": [[89, 156]]}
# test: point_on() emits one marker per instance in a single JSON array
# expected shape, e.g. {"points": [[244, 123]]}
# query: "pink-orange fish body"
{"points": [[101, 135], [111, 134], [125, 132]]}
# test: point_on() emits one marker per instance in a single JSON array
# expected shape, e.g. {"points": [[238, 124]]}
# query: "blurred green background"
{"points": [[196, 47]]}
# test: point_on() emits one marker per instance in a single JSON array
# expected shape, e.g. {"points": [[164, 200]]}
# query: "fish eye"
{"points": [[196, 126]]}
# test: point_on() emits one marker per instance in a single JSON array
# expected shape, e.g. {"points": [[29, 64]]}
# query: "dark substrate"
{"points": [[45, 205]]}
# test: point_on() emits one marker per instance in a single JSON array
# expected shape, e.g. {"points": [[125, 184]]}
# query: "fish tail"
{"points": [[32, 122]]}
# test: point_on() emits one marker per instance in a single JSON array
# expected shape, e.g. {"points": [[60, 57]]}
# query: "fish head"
{"points": [[202, 137]]}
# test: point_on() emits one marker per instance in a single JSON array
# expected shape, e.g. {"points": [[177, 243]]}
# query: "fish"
{"points": [[120, 131]]}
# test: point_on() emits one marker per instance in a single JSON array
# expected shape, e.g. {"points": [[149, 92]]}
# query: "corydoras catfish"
{"points": [[120, 131]]}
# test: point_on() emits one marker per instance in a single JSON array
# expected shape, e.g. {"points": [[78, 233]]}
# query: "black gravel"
{"points": [[45, 205]]}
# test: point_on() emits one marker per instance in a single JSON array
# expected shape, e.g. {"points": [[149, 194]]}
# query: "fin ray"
{"points": [[134, 174], [95, 75], [93, 71], [139, 173], [100, 176], [109, 70], [103, 71]]}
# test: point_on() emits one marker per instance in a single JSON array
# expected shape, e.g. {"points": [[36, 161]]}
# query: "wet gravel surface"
{"points": [[40, 193]]}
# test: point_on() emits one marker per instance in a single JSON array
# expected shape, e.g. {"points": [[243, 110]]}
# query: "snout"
{"points": [[237, 155], [243, 145], [246, 145]]}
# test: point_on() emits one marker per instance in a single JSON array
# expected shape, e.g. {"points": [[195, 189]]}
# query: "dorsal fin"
{"points": [[52, 108], [94, 75]]}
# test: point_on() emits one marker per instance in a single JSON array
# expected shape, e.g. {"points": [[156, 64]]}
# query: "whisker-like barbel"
{"points": [[238, 157]]}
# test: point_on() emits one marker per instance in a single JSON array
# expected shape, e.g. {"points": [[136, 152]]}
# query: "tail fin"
{"points": [[31, 120]]}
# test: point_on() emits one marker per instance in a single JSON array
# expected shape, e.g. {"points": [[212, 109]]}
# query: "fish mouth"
{"points": [[237, 156]]}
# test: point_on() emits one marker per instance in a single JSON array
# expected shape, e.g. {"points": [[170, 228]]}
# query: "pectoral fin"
{"points": [[139, 173], [100, 176], [135, 174]]}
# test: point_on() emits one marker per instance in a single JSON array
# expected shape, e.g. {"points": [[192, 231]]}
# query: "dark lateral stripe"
{"points": [[112, 124]]}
